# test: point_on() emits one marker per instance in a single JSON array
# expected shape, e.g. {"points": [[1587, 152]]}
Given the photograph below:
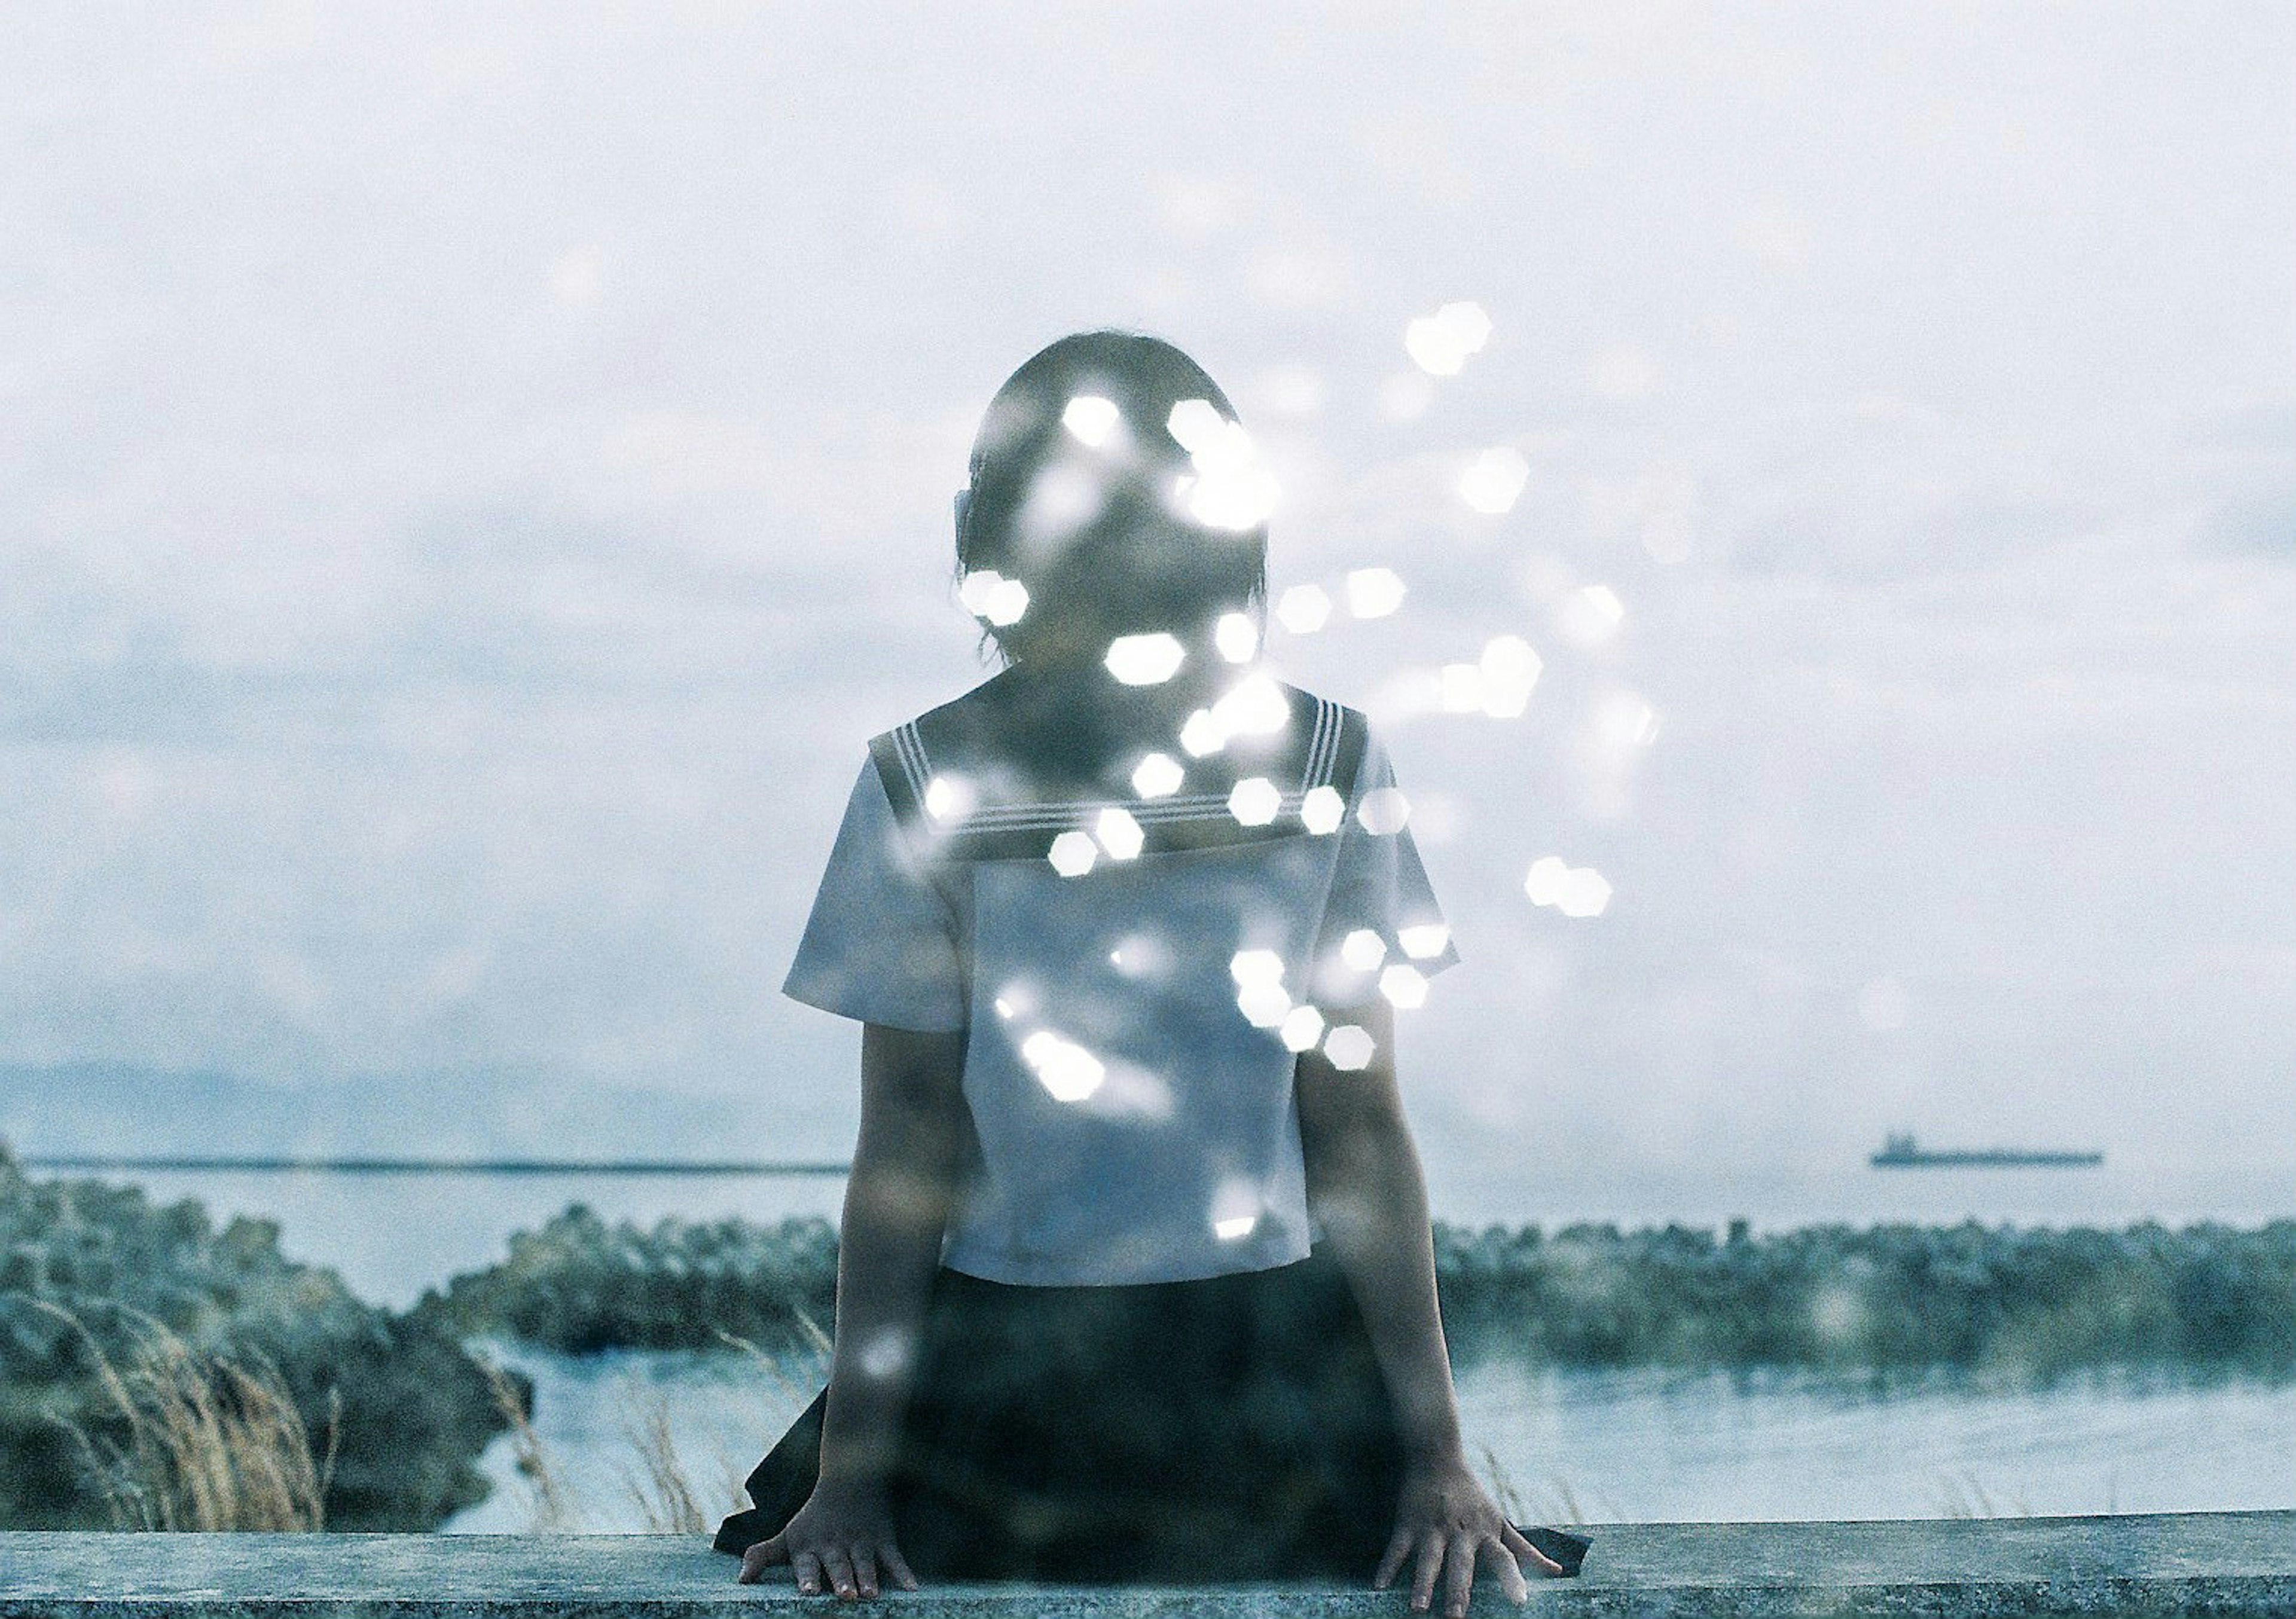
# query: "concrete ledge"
{"points": [[2215, 1563]]}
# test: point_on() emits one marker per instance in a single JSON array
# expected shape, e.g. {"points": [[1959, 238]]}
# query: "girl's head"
{"points": [[1111, 479]]}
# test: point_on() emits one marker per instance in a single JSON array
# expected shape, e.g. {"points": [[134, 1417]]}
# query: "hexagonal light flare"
{"points": [[1253, 706], [1363, 950], [1237, 637], [1256, 967], [1506, 674], [1063, 1067], [1301, 1029], [1196, 425], [1375, 592], [1587, 893], [1089, 418], [1590, 614], [1145, 660], [1322, 810], [1461, 688], [1118, 833], [1264, 1005], [1493, 481], [1405, 986], [1424, 941], [1350, 1048], [1384, 811], [988, 594], [1072, 854], [1576, 891], [1255, 801], [1304, 609], [947, 797], [1204, 733], [1230, 489], [1439, 343], [1158, 775]]}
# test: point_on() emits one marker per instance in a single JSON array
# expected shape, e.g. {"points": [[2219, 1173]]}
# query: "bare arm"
{"points": [[897, 1206], [1366, 1185]]}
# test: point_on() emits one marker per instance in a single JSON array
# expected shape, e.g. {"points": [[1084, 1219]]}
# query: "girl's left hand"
{"points": [[1449, 1519]]}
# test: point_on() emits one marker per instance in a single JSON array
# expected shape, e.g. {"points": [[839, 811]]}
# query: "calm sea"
{"points": [[1574, 1446]]}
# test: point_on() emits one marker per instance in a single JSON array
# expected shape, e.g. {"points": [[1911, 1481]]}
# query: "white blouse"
{"points": [[1132, 1026]]}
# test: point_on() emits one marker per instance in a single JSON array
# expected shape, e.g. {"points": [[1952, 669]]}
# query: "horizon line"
{"points": [[493, 1166]]}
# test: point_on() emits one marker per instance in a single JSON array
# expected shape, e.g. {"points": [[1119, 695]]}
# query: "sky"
{"points": [[475, 475]]}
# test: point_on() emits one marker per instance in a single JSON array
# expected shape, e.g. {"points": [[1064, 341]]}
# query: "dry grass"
{"points": [[664, 1495], [1962, 1496], [212, 1443], [549, 1509], [668, 1499]]}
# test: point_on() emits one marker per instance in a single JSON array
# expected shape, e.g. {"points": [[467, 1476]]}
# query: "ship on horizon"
{"points": [[1901, 1151]]}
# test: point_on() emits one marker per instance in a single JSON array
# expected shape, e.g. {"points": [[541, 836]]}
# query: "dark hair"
{"points": [[1122, 489]]}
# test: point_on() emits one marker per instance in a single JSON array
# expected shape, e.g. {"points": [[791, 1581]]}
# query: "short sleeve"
{"points": [[1378, 886], [880, 945]]}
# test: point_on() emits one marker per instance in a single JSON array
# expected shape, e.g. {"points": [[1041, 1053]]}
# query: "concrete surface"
{"points": [[2232, 1563]]}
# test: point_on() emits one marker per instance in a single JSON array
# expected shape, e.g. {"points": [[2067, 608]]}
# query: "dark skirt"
{"points": [[1232, 1428]]}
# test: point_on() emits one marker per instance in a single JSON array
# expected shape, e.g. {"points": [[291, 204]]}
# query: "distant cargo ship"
{"points": [[1901, 1152]]}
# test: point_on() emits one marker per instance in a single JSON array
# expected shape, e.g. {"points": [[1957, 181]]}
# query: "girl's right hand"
{"points": [[840, 1537]]}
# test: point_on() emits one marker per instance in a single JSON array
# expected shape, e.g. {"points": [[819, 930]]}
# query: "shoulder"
{"points": [[970, 765]]}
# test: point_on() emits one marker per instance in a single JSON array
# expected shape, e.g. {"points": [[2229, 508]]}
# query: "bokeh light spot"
{"points": [[1493, 481], [1072, 854], [1363, 950], [1158, 775], [1118, 833], [1424, 941], [1322, 810], [1591, 614], [1256, 967], [1255, 801], [1576, 891], [1384, 811], [1202, 734], [1404, 985], [1237, 637], [1263, 1003], [1301, 1028], [1304, 609], [1089, 418], [1505, 675], [1253, 706], [1375, 592], [1196, 425], [1350, 1048], [949, 796], [988, 594], [1063, 1067], [1145, 660]]}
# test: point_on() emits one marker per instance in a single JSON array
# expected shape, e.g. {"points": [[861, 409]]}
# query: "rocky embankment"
{"points": [[2204, 1297], [414, 1408]]}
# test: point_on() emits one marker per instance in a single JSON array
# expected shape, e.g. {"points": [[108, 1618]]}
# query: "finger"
{"points": [[1399, 1547], [1459, 1576], [864, 1569], [895, 1565], [839, 1567], [1431, 1563], [761, 1556], [807, 1567], [1520, 1544], [1511, 1580]]}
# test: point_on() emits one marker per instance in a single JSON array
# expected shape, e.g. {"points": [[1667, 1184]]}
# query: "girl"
{"points": [[1135, 1279]]}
